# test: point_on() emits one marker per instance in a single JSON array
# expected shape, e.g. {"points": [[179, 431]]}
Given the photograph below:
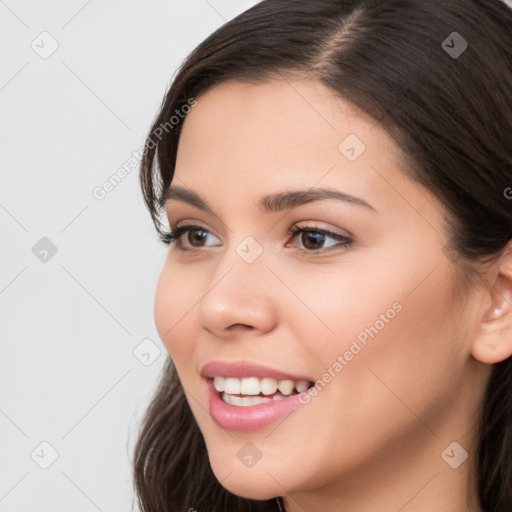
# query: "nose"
{"points": [[240, 299]]}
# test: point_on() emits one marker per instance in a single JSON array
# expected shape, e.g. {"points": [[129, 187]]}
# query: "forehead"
{"points": [[276, 125], [293, 108], [244, 142]]}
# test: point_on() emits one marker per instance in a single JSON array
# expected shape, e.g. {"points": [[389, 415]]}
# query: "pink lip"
{"points": [[254, 417], [241, 369]]}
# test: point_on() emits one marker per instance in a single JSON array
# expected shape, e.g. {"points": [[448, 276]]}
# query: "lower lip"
{"points": [[252, 417]]}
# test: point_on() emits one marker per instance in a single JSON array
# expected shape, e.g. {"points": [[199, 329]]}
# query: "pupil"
{"points": [[315, 237], [197, 237]]}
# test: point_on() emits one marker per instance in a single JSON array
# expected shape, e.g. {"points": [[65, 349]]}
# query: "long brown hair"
{"points": [[448, 107]]}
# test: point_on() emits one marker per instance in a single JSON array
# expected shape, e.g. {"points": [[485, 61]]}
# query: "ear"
{"points": [[493, 342]]}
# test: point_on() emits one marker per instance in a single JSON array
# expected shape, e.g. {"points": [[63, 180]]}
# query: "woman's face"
{"points": [[375, 320]]}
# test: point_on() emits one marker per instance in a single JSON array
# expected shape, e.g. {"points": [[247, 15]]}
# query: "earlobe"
{"points": [[493, 342]]}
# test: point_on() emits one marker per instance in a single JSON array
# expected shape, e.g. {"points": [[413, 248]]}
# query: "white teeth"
{"points": [[218, 382], [301, 386], [250, 386], [286, 386], [268, 386], [253, 386], [245, 401], [232, 386]]}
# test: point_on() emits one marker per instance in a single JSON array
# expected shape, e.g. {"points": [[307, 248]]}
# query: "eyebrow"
{"points": [[273, 202]]}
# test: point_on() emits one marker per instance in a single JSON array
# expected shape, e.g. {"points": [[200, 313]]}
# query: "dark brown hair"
{"points": [[451, 116]]}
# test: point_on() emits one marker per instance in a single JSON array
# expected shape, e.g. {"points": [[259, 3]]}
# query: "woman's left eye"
{"points": [[313, 238]]}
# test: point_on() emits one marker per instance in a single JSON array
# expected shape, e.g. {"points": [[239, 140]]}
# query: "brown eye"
{"points": [[195, 236], [313, 239]]}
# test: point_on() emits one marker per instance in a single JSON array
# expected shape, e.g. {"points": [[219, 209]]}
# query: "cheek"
{"points": [[381, 337], [175, 297], [336, 305], [395, 305]]}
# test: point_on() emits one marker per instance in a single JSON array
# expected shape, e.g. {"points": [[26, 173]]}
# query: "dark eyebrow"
{"points": [[273, 202]]}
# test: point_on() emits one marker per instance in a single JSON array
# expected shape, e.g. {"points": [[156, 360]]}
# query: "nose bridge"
{"points": [[239, 292], [244, 265]]}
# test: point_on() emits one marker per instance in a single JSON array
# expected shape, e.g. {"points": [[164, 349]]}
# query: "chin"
{"points": [[250, 483], [249, 489]]}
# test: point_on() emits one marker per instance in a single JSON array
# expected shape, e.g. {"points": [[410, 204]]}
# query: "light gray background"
{"points": [[68, 373], [70, 324]]}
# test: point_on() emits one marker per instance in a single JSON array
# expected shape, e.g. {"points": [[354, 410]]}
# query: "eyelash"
{"points": [[175, 235]]}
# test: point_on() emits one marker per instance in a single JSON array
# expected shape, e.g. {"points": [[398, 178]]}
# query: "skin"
{"points": [[372, 438]]}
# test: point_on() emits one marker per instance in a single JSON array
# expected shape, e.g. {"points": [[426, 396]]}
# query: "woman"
{"points": [[337, 298]]}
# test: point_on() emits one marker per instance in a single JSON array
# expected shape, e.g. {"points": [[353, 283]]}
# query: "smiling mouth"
{"points": [[255, 391]]}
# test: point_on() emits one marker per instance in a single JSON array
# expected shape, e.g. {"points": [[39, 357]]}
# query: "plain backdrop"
{"points": [[80, 83]]}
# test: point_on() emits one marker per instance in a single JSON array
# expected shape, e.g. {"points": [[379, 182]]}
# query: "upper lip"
{"points": [[241, 369]]}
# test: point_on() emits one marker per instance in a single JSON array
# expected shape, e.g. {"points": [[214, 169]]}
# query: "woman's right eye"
{"points": [[199, 235]]}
